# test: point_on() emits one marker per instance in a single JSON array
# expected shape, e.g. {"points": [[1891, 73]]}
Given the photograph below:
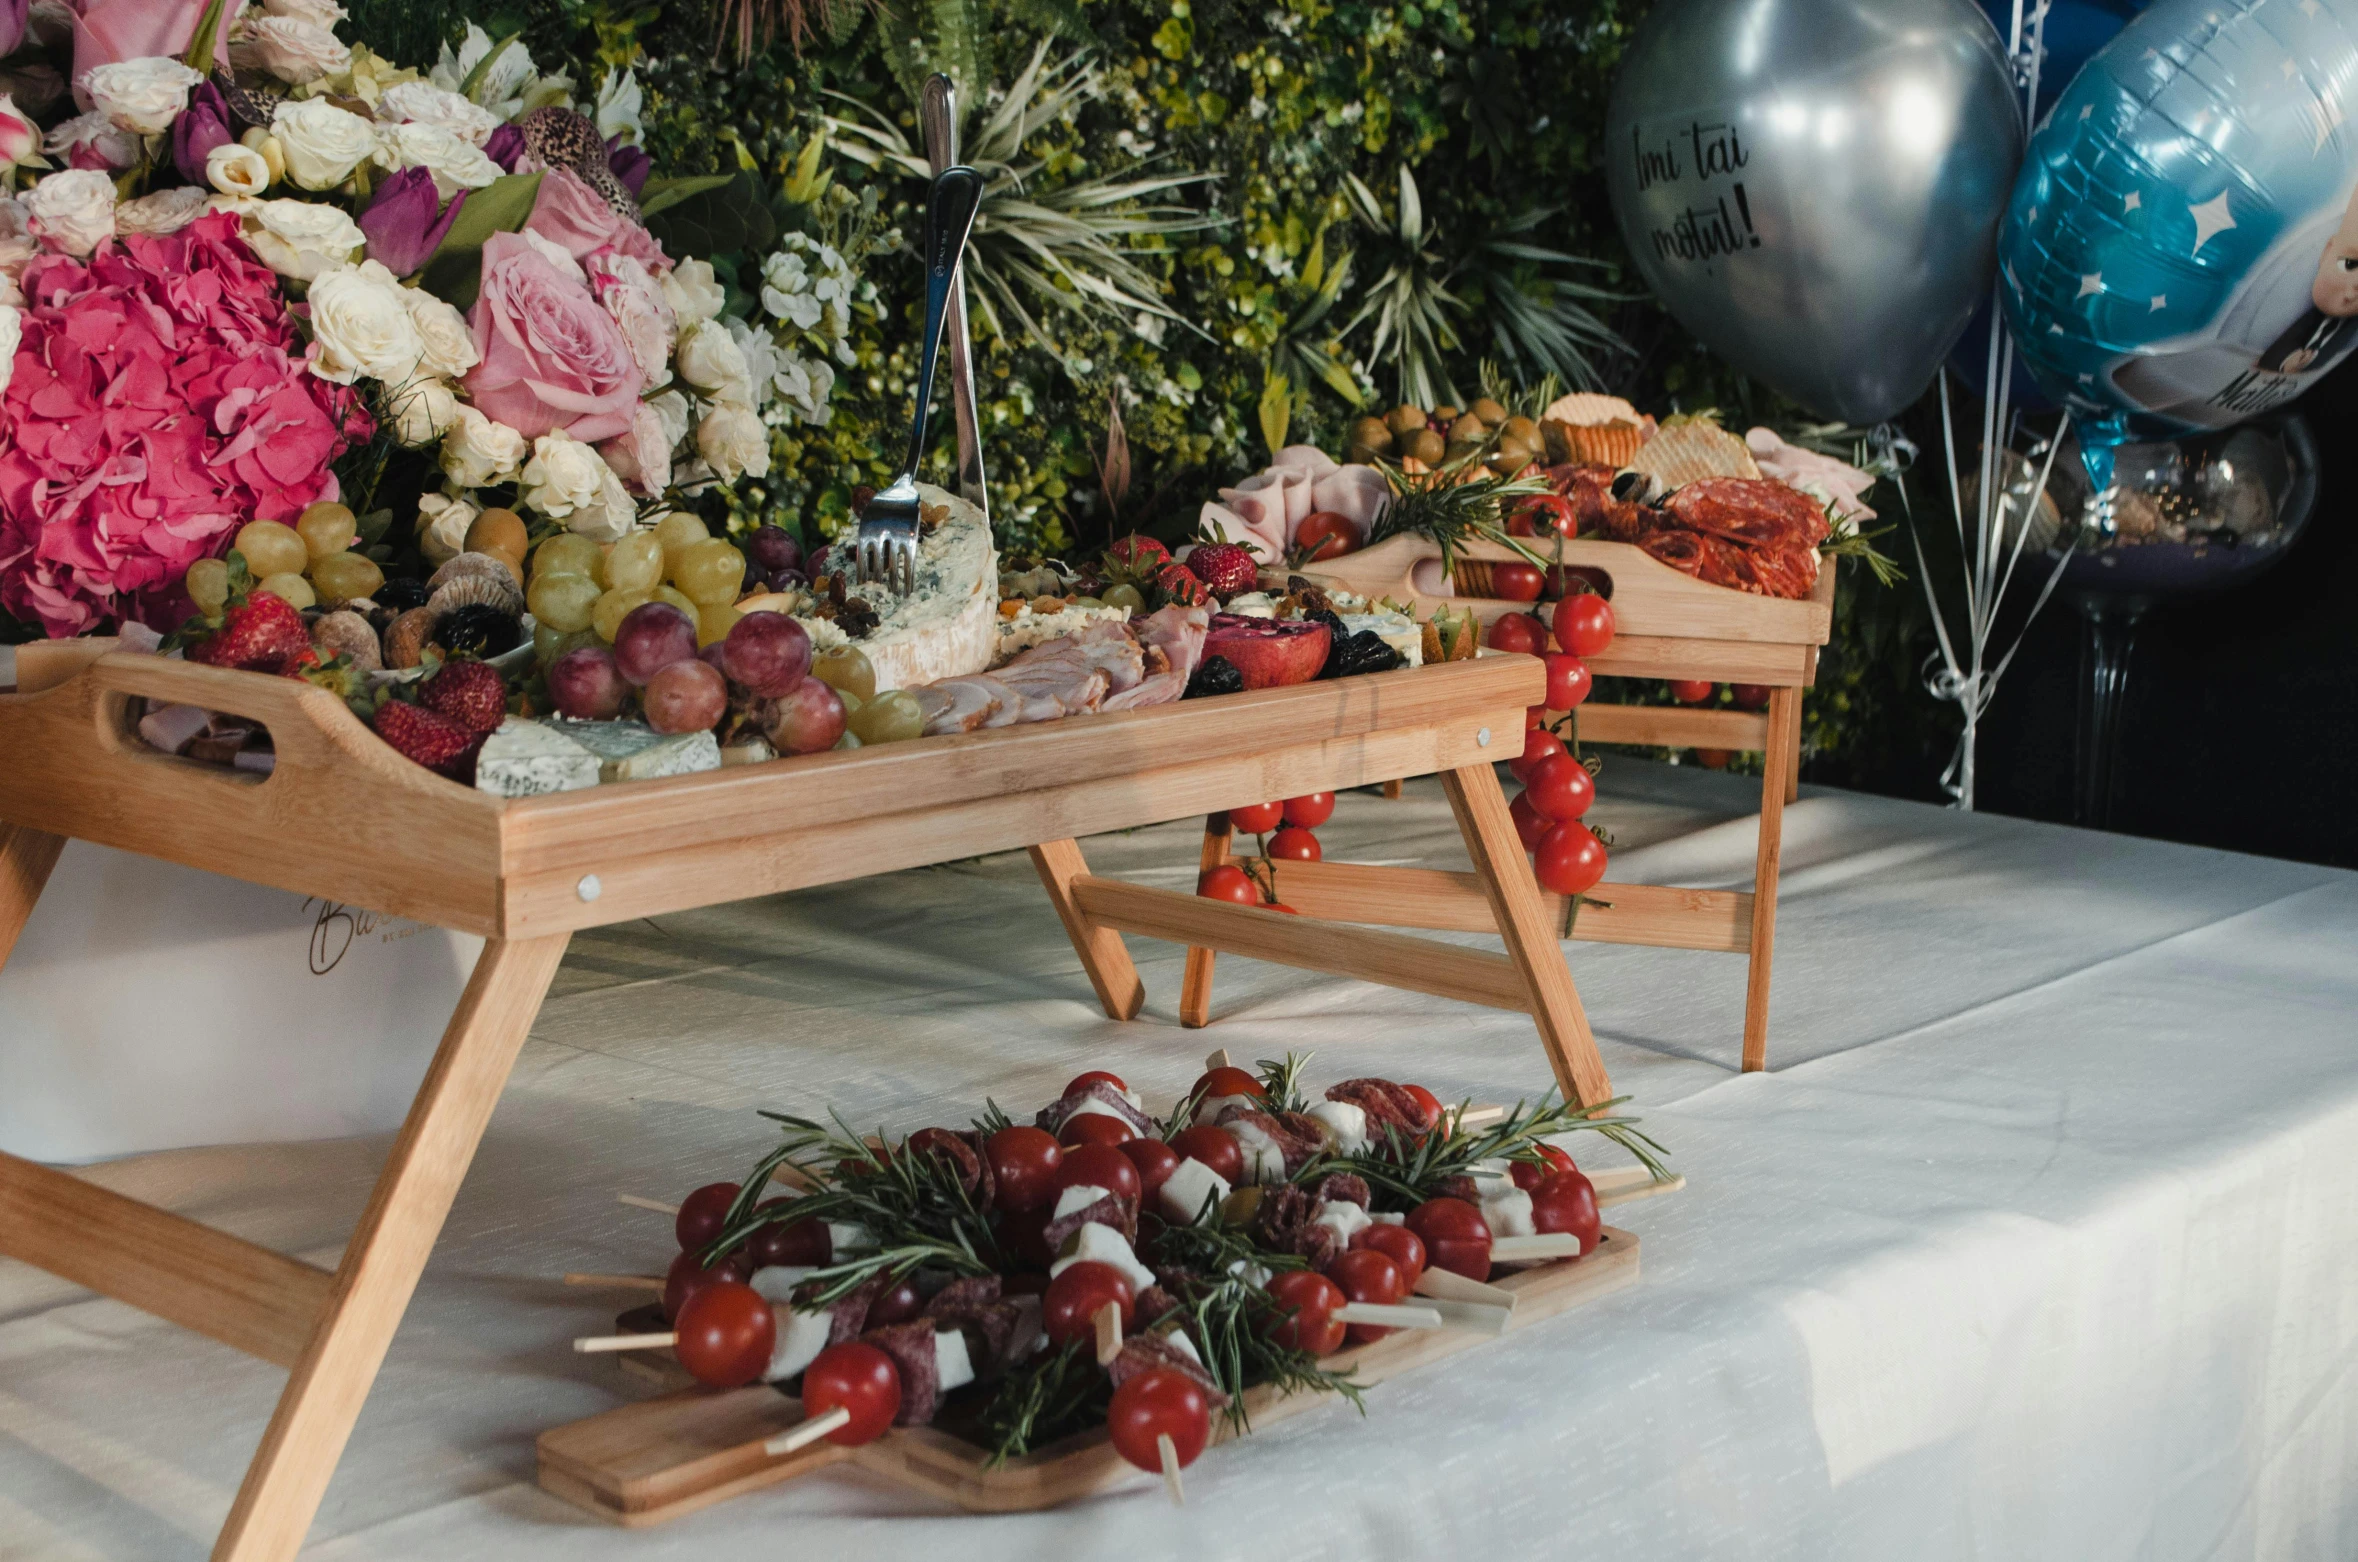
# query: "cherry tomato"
{"points": [[1256, 818], [1570, 860], [1229, 882], [1401, 1245], [1023, 1164], [1567, 1202], [1100, 1166], [1216, 1148], [1455, 1235], [1691, 691], [1024, 1233], [1426, 1099], [1293, 844], [1538, 743], [1530, 1174], [1567, 686], [1158, 1403], [1312, 1299], [1153, 1160], [1516, 632], [1714, 758], [1326, 534], [1095, 1076], [1750, 696], [896, 1303], [1561, 787], [1531, 826], [1227, 1081], [686, 1277], [1095, 1128], [858, 1378], [702, 1214], [727, 1332], [1069, 1307], [1547, 515], [1516, 581], [1310, 810], [802, 1243], [1521, 525], [1584, 624], [1366, 1275], [1534, 717]]}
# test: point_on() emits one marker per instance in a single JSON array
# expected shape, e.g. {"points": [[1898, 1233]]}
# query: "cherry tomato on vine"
{"points": [[1229, 882], [1158, 1403], [1750, 696], [896, 1303], [686, 1277], [1401, 1245], [1455, 1235], [1310, 810], [1530, 1174], [1095, 1128], [1327, 534], [1691, 691], [1312, 1299], [1531, 826], [1095, 1076], [1153, 1160], [1584, 624], [1561, 787], [726, 1334], [1548, 515], [1538, 744], [1714, 758], [858, 1378], [1216, 1148], [1256, 818], [1426, 1099], [1516, 632], [1293, 844], [1099, 1166], [1570, 859], [1069, 1307], [1516, 581], [1534, 717], [1366, 1275], [702, 1214], [1568, 680], [1023, 1165], [1567, 1202]]}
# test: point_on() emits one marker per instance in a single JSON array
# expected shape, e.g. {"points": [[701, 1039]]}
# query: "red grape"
{"points": [[688, 696], [651, 637], [809, 720], [768, 653], [773, 550], [586, 685]]}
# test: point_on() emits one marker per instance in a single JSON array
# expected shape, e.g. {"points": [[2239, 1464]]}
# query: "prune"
{"points": [[1216, 675]]}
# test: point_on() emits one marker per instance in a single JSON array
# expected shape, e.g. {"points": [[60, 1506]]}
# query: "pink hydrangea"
{"points": [[160, 401]]}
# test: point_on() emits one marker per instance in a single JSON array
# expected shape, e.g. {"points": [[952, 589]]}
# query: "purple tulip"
{"points": [[401, 224], [202, 126], [506, 147], [630, 164]]}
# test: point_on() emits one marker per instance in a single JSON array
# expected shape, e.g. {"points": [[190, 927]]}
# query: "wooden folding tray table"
{"points": [[344, 817]]}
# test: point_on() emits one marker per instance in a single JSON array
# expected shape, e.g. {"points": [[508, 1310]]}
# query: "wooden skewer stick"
{"points": [[1479, 1317], [594, 1344], [636, 1202], [1170, 1452], [1524, 1250], [1389, 1317], [794, 1177], [809, 1432], [618, 1282], [1218, 1059], [1476, 1116], [1451, 1286], [1109, 1333]]}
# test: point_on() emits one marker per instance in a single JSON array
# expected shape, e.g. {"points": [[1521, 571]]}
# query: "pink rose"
{"points": [[642, 457], [569, 213], [107, 32], [552, 358], [632, 295]]}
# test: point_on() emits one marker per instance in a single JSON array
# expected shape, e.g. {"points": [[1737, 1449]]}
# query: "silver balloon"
{"points": [[1813, 187]]}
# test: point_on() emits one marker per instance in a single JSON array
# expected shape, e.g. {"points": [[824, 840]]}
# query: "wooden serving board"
{"points": [[643, 1464]]}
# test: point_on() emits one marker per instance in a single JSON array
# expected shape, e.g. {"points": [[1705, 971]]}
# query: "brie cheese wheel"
{"points": [[801, 1336], [1192, 1192], [1095, 1244], [527, 759], [949, 626], [1346, 1122]]}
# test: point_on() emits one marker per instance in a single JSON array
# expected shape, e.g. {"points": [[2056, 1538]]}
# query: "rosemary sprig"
{"points": [[1403, 1174], [1282, 1080], [994, 1117], [1182, 1115], [1042, 1399], [1452, 509], [1231, 1329]]}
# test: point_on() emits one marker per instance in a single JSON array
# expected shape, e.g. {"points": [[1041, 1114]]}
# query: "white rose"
{"points": [[362, 327], [293, 50], [450, 346], [672, 408], [322, 142], [443, 523], [166, 211], [611, 516], [763, 361], [301, 239], [711, 360], [117, 148], [233, 169], [734, 442], [563, 475], [319, 13], [693, 293], [423, 103], [73, 211], [141, 96], [12, 330], [478, 452], [455, 162], [423, 411]]}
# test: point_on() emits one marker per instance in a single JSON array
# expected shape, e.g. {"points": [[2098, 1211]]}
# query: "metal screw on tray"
{"points": [[889, 526]]}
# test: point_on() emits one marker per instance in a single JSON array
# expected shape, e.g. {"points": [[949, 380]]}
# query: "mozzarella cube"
{"points": [[1208, 1110], [1254, 1275], [848, 1237], [1183, 1345], [1192, 1192], [801, 1336], [1264, 1156], [1077, 1198], [1347, 1123], [952, 1367], [1509, 1213], [776, 1282], [1092, 1106], [1344, 1218], [1387, 1220], [1096, 1244]]}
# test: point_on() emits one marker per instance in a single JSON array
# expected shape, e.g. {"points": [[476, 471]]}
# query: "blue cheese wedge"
{"points": [[634, 751], [1029, 627], [1397, 630], [528, 758]]}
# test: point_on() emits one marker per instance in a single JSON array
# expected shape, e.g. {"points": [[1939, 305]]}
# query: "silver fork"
{"points": [[937, 114], [889, 526]]}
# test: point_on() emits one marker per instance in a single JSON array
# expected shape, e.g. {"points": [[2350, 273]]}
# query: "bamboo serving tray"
{"points": [[643, 1464]]}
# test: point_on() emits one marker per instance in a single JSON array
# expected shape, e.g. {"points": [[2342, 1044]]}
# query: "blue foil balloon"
{"points": [[2181, 249]]}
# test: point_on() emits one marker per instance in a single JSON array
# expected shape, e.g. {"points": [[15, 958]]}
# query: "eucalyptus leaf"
{"points": [[731, 215], [455, 271]]}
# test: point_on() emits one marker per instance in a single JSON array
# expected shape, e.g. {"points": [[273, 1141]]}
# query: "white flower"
{"points": [[362, 328], [693, 293], [235, 169], [611, 516], [672, 408], [293, 50], [423, 103], [734, 442], [141, 96], [478, 452], [322, 142], [710, 360], [449, 346], [12, 330], [166, 211], [74, 211], [619, 105], [118, 148], [423, 411], [502, 88], [443, 523], [455, 162], [301, 239], [563, 475], [319, 13], [804, 384], [642, 457], [762, 359], [808, 285]]}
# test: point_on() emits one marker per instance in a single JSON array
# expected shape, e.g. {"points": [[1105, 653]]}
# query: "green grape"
{"points": [[565, 601], [709, 571], [567, 554], [343, 577], [1125, 596], [327, 529], [675, 534], [273, 548], [607, 613], [290, 588], [636, 564], [845, 669], [892, 717], [208, 586]]}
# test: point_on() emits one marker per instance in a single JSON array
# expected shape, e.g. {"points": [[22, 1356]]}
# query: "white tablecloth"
{"points": [[2042, 1241]]}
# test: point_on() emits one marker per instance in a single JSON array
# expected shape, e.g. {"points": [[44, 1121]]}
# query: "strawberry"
{"points": [[1135, 555], [1178, 584], [469, 693], [262, 633], [1223, 566], [429, 738]]}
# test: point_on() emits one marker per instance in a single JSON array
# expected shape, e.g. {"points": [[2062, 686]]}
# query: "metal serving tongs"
{"points": [[937, 117], [889, 526]]}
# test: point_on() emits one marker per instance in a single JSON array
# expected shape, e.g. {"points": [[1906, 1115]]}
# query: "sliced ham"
{"points": [[962, 704], [1177, 634], [1359, 492]]}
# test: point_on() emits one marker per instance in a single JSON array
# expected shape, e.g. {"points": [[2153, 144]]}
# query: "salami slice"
{"points": [[973, 1169], [967, 1291], [1053, 1118], [1297, 1138], [910, 1345], [1112, 1210], [1153, 1304], [1345, 1188], [1155, 1352], [1385, 1102], [993, 1331], [849, 1312]]}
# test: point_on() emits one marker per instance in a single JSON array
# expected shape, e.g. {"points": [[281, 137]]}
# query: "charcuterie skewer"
{"points": [[616, 1282]]}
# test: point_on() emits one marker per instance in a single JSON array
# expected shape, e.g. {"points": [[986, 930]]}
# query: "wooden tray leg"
{"points": [[1531, 943], [26, 860], [1195, 988], [1776, 785], [1102, 954], [1792, 736], [388, 1251]]}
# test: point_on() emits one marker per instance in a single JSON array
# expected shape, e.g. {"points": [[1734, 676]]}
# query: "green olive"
{"points": [[1371, 434], [1489, 411], [1426, 446], [1404, 420], [1239, 1208]]}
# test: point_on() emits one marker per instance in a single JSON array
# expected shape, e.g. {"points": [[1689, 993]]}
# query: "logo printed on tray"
{"points": [[335, 927]]}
